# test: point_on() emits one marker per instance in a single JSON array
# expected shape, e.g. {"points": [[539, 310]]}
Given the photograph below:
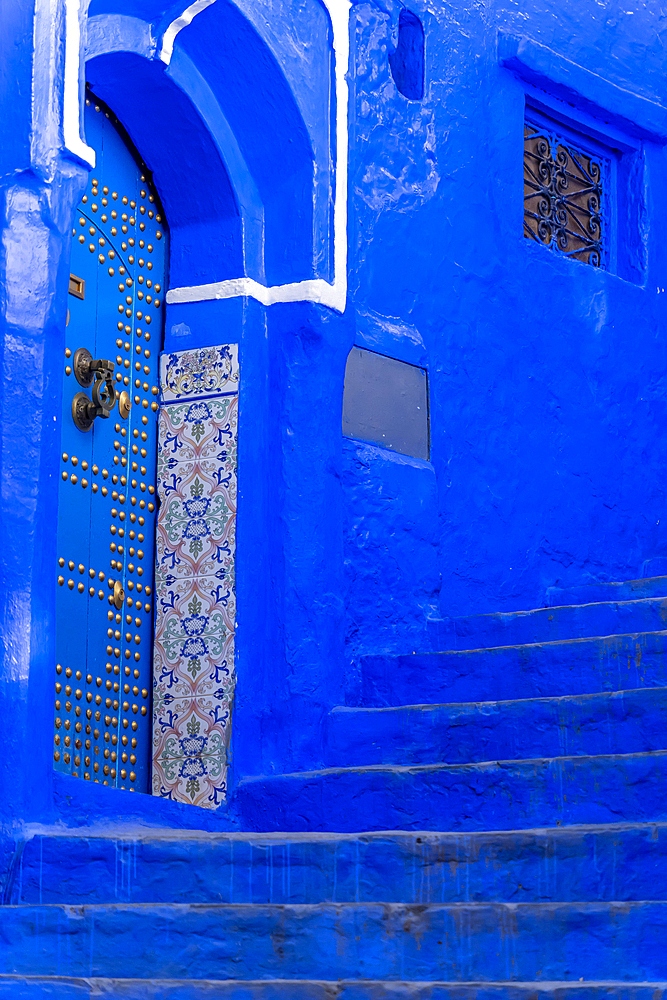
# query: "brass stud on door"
{"points": [[124, 405], [118, 594]]}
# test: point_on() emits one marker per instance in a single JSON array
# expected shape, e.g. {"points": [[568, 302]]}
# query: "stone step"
{"points": [[589, 863], [625, 590], [61, 988], [501, 673], [585, 724], [495, 795], [460, 942], [573, 621]]}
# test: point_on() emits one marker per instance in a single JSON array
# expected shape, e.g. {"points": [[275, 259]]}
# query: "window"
{"points": [[567, 190]]}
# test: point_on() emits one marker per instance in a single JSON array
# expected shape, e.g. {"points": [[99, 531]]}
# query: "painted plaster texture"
{"points": [[132, 989], [508, 347], [568, 864], [493, 942], [81, 989], [545, 398], [391, 551]]}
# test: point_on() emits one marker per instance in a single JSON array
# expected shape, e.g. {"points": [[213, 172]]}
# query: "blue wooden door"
{"points": [[107, 500]]}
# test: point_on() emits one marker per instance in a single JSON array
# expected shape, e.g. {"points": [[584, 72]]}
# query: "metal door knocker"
{"points": [[97, 372]]}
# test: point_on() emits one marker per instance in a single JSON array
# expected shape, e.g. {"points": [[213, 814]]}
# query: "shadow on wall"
{"points": [[407, 60]]}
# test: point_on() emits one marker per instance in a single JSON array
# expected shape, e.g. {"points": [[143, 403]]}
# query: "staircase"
{"points": [[538, 745]]}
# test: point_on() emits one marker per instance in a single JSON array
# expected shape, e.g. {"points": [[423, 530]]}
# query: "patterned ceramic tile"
{"points": [[195, 602], [203, 429], [193, 672], [190, 756], [191, 626], [216, 600], [211, 688], [196, 524], [207, 371], [213, 677]]}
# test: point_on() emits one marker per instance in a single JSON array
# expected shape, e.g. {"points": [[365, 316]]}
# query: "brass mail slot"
{"points": [[77, 286]]}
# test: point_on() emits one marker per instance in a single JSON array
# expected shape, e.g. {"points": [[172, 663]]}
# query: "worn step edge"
{"points": [[538, 669], [131, 834], [71, 988], [592, 591], [613, 601], [587, 863], [592, 615], [452, 705], [64, 988], [548, 644], [475, 765], [452, 943], [632, 720], [526, 793], [577, 642]]}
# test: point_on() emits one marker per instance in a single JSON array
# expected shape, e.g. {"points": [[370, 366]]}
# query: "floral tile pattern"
{"points": [[197, 495], [194, 622], [204, 371], [193, 665], [183, 431]]}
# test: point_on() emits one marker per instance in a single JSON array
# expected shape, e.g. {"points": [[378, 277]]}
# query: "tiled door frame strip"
{"points": [[195, 605]]}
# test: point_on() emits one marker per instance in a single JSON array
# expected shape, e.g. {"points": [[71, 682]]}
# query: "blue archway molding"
{"points": [[239, 182]]}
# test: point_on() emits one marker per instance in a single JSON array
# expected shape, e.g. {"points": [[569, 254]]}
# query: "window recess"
{"points": [[583, 191], [566, 194]]}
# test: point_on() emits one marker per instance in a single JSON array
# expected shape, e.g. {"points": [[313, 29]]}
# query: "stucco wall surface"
{"points": [[546, 375]]}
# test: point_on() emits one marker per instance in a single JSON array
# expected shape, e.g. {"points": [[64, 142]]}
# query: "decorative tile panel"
{"points": [[197, 496], [193, 667], [204, 371]]}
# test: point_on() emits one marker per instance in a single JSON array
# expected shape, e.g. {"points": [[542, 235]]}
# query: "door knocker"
{"points": [[97, 372]]}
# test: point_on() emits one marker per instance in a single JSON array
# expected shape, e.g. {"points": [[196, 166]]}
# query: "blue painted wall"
{"points": [[547, 377], [547, 384]]}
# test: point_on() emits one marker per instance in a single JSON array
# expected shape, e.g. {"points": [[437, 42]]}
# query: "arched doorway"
{"points": [[107, 499]]}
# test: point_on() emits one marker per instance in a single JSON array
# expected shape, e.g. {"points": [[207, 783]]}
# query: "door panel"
{"points": [[107, 500]]}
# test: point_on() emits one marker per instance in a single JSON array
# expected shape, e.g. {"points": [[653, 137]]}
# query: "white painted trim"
{"points": [[313, 289], [339, 12], [181, 22], [71, 90]]}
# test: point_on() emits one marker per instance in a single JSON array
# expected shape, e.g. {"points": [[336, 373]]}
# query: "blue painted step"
{"points": [[626, 590], [612, 722], [454, 942], [498, 795], [20, 988], [575, 666], [58, 988], [560, 864], [575, 621]]}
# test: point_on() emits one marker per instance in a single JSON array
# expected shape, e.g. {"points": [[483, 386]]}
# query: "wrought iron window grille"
{"points": [[566, 195]]}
